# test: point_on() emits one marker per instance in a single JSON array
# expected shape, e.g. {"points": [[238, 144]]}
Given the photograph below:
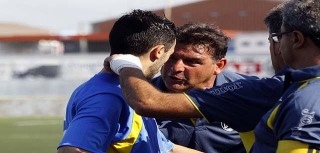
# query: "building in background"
{"points": [[19, 47], [41, 69], [242, 20], [234, 17], [20, 39]]}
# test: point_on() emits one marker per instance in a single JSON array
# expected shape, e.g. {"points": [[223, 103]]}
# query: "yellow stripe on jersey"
{"points": [[193, 120], [303, 85], [291, 146], [125, 145], [248, 139], [306, 82], [272, 116], [195, 106]]}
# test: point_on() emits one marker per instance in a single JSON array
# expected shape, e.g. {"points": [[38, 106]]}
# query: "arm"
{"points": [[94, 125], [146, 100], [296, 122], [182, 149], [214, 104], [239, 104]]}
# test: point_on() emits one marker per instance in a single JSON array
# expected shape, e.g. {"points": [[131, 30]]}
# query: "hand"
{"points": [[106, 62], [119, 61]]}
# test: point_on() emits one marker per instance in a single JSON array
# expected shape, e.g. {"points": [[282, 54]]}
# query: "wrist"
{"points": [[119, 62]]}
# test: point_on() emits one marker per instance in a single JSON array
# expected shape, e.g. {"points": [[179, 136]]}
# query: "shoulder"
{"points": [[98, 90], [101, 83], [305, 94], [157, 81], [233, 76]]}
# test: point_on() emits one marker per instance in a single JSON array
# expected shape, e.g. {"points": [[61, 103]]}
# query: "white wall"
{"points": [[252, 43], [37, 94], [33, 93]]}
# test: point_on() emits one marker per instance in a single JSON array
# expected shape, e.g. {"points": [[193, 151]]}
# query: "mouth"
{"points": [[177, 78]]}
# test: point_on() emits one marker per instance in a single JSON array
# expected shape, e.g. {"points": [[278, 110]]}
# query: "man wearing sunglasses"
{"points": [[277, 36], [294, 123]]}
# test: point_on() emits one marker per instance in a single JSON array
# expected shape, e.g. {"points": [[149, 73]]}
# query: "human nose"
{"points": [[178, 66]]}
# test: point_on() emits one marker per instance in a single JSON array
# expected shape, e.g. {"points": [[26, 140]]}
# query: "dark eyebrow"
{"points": [[193, 59]]}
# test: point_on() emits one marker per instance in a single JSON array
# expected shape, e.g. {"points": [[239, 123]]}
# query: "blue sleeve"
{"points": [[298, 116], [239, 104], [95, 123], [165, 144], [179, 131]]}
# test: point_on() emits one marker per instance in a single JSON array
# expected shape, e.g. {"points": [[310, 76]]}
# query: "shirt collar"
{"points": [[305, 73]]}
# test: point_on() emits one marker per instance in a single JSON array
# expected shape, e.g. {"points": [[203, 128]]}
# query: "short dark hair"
{"points": [[273, 20], [135, 33], [303, 16], [204, 34]]}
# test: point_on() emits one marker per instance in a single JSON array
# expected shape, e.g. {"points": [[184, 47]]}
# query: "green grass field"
{"points": [[30, 135]]}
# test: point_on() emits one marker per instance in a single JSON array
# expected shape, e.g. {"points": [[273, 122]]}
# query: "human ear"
{"points": [[298, 39], [220, 65], [156, 52]]}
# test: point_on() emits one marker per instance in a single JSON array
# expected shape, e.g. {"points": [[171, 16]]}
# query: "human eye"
{"points": [[192, 62]]}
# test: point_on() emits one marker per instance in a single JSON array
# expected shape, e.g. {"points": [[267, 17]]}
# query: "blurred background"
{"points": [[48, 48]]}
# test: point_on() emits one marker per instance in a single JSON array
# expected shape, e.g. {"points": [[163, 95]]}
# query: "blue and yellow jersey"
{"points": [[294, 122], [198, 134], [99, 120], [240, 104]]}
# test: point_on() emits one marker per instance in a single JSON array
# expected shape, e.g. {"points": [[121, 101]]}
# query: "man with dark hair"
{"points": [[292, 124], [97, 118], [240, 104], [198, 61]]}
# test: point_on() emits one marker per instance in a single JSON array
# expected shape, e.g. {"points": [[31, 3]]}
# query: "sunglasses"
{"points": [[277, 36]]}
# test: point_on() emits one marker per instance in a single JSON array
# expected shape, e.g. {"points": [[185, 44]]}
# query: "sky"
{"points": [[73, 16]]}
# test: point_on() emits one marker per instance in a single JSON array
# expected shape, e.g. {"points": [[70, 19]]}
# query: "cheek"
{"points": [[193, 74], [282, 50], [165, 70], [166, 67]]}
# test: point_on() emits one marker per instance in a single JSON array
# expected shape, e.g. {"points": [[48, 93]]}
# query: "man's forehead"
{"points": [[197, 48], [189, 55]]}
